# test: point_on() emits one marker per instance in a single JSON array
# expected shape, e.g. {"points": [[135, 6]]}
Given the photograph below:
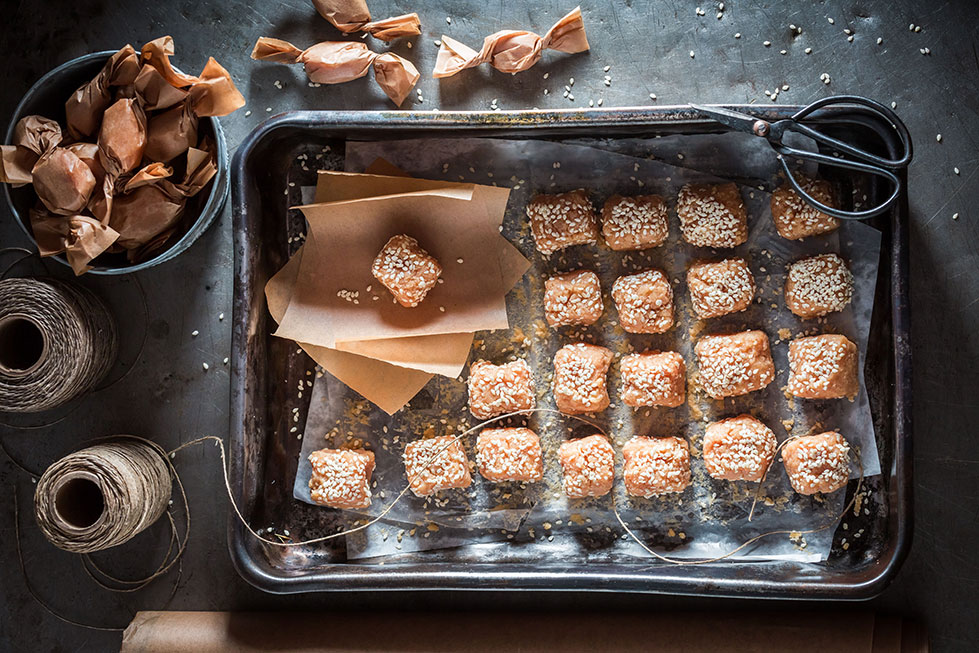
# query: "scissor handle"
{"points": [[795, 124], [784, 152]]}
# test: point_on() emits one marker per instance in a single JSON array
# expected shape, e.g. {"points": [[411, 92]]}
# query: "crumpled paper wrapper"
{"points": [[351, 16], [128, 189], [336, 62], [512, 51]]}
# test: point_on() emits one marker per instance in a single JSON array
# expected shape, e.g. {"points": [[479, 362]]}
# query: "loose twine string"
{"points": [[78, 343], [137, 477]]}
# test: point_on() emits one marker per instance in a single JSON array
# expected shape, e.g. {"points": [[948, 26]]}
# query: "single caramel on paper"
{"points": [[388, 386], [331, 302]]}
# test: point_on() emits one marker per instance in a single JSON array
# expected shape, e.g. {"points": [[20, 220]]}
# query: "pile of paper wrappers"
{"points": [[326, 300], [118, 176]]}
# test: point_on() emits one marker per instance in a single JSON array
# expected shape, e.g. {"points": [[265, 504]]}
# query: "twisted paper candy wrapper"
{"points": [[350, 16], [116, 192], [512, 51], [336, 62]]}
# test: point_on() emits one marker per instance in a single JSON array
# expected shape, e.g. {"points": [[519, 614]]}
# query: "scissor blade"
{"points": [[733, 119]]}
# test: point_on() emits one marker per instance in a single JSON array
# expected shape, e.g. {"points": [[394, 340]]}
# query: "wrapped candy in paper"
{"points": [[212, 93], [63, 182], [145, 212], [85, 107], [122, 137], [157, 93], [512, 51], [350, 16], [33, 137], [170, 133], [334, 62], [79, 237]]}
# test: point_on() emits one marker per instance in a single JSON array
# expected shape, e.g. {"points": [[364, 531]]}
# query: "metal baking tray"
{"points": [[266, 179]]}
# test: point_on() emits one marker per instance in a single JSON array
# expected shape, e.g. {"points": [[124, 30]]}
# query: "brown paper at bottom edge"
{"points": [[388, 386]]}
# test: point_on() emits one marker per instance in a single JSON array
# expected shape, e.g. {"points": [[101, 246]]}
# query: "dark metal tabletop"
{"points": [[169, 396]]}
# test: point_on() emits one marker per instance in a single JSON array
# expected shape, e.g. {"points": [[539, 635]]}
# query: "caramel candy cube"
{"points": [[341, 478], [509, 454], [817, 463], [818, 285], [739, 449], [559, 221], [736, 364], [712, 215], [644, 302], [573, 298], [588, 465], [720, 288], [580, 385], [654, 379], [823, 367], [656, 465], [795, 218], [435, 464], [499, 389], [406, 269], [630, 223]]}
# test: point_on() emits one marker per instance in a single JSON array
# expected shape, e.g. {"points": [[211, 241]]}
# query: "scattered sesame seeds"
{"points": [[767, 43], [831, 21]]}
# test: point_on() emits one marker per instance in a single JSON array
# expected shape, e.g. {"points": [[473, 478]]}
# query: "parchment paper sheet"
{"points": [[709, 517]]}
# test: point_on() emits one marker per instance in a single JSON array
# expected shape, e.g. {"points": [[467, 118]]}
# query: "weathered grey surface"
{"points": [[168, 396]]}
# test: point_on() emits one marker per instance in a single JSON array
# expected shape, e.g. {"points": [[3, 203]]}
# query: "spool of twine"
{"points": [[57, 341], [102, 496]]}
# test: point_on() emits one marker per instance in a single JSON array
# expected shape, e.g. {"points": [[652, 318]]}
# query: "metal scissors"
{"points": [[849, 156]]}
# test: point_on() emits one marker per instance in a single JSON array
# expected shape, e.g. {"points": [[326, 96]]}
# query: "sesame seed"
{"points": [[448, 19], [808, 50], [955, 216], [831, 21], [767, 43], [691, 54], [938, 137], [438, 43], [205, 366], [955, 170], [737, 35], [879, 40]]}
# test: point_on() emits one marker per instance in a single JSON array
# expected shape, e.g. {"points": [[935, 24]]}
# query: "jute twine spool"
{"points": [[56, 342], [102, 496]]}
